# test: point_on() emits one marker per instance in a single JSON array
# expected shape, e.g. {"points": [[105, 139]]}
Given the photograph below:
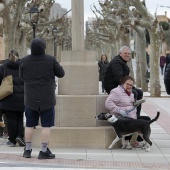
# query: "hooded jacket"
{"points": [[15, 101], [38, 70]]}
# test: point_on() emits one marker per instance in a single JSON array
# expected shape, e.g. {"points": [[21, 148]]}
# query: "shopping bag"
{"points": [[6, 87]]}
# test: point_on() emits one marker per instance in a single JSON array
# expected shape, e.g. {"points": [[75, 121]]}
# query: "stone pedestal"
{"points": [[81, 76], [78, 137]]}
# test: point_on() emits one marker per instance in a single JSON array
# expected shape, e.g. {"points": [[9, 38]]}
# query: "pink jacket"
{"points": [[119, 100]]}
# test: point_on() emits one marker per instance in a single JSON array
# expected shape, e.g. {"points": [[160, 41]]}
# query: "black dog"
{"points": [[124, 127]]}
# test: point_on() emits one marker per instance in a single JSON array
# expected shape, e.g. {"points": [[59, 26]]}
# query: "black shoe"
{"points": [[11, 144], [46, 155], [27, 153], [20, 141]]}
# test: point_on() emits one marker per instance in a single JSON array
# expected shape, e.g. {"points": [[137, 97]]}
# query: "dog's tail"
{"points": [[156, 118]]}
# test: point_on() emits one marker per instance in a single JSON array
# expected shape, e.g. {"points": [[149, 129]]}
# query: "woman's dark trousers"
{"points": [[138, 94], [15, 125]]}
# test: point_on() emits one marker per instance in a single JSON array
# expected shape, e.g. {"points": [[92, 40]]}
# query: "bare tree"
{"points": [[133, 13]]}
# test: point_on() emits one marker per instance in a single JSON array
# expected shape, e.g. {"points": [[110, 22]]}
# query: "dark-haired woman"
{"points": [[103, 64]]}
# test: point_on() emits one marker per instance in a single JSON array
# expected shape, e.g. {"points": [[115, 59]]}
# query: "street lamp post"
{"points": [[54, 32], [34, 14]]}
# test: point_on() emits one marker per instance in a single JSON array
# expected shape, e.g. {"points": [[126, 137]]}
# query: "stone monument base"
{"points": [[78, 137]]}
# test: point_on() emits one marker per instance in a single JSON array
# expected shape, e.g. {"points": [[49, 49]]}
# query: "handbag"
{"points": [[6, 87]]}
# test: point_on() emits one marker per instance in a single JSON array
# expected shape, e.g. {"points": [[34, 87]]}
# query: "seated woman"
{"points": [[121, 101]]}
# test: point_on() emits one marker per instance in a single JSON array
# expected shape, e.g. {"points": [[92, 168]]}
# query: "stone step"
{"points": [[78, 137]]}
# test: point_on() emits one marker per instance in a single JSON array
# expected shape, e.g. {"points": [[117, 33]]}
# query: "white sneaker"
{"points": [[138, 102]]}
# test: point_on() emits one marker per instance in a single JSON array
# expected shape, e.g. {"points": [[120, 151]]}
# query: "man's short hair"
{"points": [[124, 47]]}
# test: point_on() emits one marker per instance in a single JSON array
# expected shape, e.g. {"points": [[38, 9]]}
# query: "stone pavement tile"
{"points": [[168, 158], [152, 158], [125, 155], [14, 150], [100, 157], [157, 130], [160, 136], [68, 153], [161, 143], [99, 154], [126, 158], [165, 151]]}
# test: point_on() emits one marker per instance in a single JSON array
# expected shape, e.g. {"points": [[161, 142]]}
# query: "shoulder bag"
{"points": [[6, 87]]}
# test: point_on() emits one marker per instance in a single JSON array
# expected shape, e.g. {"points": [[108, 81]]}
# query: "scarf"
{"points": [[127, 92]]}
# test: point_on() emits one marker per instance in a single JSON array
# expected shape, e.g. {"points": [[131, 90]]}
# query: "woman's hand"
{"points": [[123, 113]]}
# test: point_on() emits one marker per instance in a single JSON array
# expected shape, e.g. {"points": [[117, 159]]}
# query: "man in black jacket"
{"points": [[167, 59], [116, 70], [38, 71]]}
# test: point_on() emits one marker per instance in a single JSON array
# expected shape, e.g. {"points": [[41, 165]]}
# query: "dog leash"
{"points": [[131, 110]]}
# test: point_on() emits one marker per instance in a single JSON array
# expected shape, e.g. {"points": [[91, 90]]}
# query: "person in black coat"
{"points": [[116, 70], [13, 105], [167, 78], [38, 70], [167, 59], [103, 63]]}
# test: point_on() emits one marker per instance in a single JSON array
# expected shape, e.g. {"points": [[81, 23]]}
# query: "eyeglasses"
{"points": [[130, 85]]}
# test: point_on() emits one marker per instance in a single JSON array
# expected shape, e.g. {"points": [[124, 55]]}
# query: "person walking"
{"points": [[38, 70], [103, 63], [116, 70], [13, 105], [162, 63]]}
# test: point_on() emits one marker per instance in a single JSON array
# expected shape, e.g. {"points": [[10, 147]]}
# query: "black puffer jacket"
{"points": [[15, 101], [167, 79], [116, 70], [167, 60], [38, 71]]}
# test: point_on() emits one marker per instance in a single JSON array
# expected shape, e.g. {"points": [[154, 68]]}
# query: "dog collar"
{"points": [[112, 119]]}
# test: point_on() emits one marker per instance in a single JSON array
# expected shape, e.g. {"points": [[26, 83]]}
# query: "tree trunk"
{"points": [[155, 88]]}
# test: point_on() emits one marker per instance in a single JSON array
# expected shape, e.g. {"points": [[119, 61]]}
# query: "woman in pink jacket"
{"points": [[121, 101]]}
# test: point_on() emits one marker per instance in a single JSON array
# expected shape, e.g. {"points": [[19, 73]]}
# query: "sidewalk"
{"points": [[136, 159]]}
